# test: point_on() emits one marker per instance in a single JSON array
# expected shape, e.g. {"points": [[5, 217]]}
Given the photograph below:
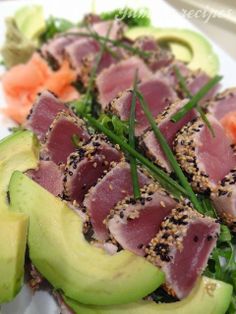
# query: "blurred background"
{"points": [[216, 18]]}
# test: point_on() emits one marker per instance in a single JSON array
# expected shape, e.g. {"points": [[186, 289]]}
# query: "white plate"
{"points": [[162, 16]]}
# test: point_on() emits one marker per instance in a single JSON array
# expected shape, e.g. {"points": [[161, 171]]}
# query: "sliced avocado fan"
{"points": [[209, 297], [13, 231], [59, 251], [30, 21], [202, 54], [18, 151]]}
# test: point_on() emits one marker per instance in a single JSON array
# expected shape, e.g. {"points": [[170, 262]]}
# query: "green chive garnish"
{"points": [[196, 98], [133, 162], [187, 93], [96, 65], [165, 180], [169, 154], [115, 43], [76, 140]]}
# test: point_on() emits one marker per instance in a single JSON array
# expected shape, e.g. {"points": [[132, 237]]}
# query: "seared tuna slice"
{"points": [[168, 73], [89, 61], [223, 104], [87, 165], [116, 28], [133, 224], [118, 77], [54, 49], [79, 50], [157, 94], [59, 139], [224, 199], [169, 129], [158, 57], [205, 158], [112, 188], [43, 113], [196, 80], [49, 176], [182, 248]]}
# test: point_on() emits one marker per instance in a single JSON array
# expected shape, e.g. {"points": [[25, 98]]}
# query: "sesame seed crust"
{"points": [[163, 117], [226, 94], [120, 210], [223, 197], [185, 148], [89, 152], [172, 232]]}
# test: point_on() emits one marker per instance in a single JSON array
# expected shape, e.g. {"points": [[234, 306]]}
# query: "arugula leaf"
{"points": [[83, 105], [55, 25], [222, 263], [114, 124], [131, 17]]}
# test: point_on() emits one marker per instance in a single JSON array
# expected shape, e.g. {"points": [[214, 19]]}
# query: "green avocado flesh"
{"points": [[13, 231], [30, 21], [19, 151], [60, 252], [209, 297], [202, 54]]}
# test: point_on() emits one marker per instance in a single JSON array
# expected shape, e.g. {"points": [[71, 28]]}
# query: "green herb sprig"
{"points": [[169, 154], [165, 180], [129, 16], [187, 93], [222, 263], [133, 163], [113, 42], [86, 100], [196, 98], [55, 25]]}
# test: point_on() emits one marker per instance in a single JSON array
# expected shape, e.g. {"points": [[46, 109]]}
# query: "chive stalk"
{"points": [[169, 154], [165, 180], [187, 93], [115, 43], [133, 162], [196, 98], [95, 67]]}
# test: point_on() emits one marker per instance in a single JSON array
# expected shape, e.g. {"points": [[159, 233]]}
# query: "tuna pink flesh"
{"points": [[119, 77], [80, 49], [134, 233], [169, 130], [224, 106], [59, 142], [44, 112], [114, 187], [49, 176], [198, 82], [189, 263], [215, 155], [86, 174], [157, 95]]}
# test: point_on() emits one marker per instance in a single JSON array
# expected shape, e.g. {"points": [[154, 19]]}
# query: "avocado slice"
{"points": [[181, 52], [203, 56], [13, 231], [19, 151], [209, 297], [60, 252], [30, 21]]}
